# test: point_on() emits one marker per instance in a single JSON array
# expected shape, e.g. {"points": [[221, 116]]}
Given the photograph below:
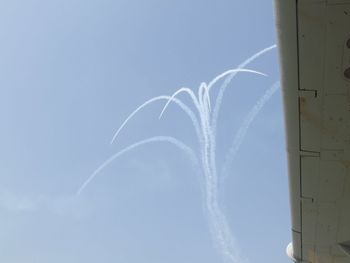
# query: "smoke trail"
{"points": [[203, 96], [218, 222], [220, 227], [223, 87], [187, 90], [204, 114], [183, 106], [225, 239], [242, 131], [231, 72], [219, 98], [168, 139], [206, 131]]}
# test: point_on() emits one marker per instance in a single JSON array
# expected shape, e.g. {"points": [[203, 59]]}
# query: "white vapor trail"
{"points": [[168, 139], [223, 87], [230, 72], [242, 131], [187, 90], [183, 106], [219, 98], [205, 124]]}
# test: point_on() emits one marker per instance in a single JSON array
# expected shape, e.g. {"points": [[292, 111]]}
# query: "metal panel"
{"points": [[319, 151], [323, 32]]}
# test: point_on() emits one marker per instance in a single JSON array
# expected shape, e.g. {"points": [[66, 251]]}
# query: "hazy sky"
{"points": [[72, 71]]}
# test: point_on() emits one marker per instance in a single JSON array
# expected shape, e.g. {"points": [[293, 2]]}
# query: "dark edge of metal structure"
{"points": [[288, 45]]}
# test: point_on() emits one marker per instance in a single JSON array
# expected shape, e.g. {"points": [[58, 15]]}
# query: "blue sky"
{"points": [[72, 71]]}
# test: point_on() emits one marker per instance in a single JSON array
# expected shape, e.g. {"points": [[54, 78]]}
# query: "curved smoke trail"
{"points": [[242, 131], [183, 106], [189, 92], [219, 98], [223, 87], [168, 139], [206, 131]]}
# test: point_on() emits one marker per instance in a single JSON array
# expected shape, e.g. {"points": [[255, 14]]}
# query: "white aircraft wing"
{"points": [[314, 44]]}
